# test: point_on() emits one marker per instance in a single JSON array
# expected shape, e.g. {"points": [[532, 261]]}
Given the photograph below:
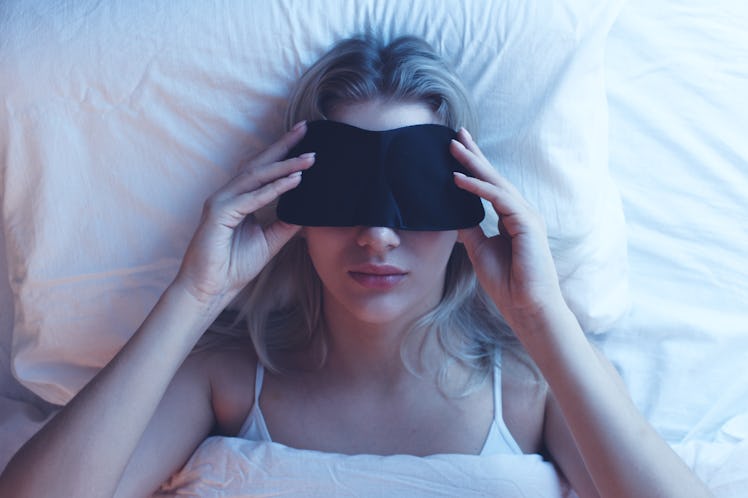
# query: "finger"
{"points": [[505, 202], [464, 137], [250, 202], [278, 233], [471, 237], [516, 216], [280, 149], [474, 163], [231, 211], [479, 166], [251, 180]]}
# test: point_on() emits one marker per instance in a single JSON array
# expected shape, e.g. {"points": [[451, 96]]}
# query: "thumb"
{"points": [[277, 234], [471, 238]]}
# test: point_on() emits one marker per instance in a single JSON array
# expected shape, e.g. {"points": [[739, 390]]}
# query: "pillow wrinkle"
{"points": [[175, 94]]}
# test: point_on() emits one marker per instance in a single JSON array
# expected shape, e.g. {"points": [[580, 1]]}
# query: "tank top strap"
{"points": [[497, 401], [259, 378], [254, 427], [499, 439]]}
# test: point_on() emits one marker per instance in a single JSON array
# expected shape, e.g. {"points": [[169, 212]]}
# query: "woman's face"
{"points": [[380, 275]]}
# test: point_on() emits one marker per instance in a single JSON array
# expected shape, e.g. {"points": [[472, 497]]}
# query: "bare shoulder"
{"points": [[230, 369], [524, 394], [196, 405]]}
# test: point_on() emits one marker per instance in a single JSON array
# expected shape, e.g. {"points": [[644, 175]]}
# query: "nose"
{"points": [[378, 239]]}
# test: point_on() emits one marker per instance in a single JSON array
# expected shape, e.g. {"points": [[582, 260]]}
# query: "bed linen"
{"points": [[112, 144], [677, 73], [232, 467]]}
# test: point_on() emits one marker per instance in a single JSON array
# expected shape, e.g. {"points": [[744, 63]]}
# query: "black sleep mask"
{"points": [[399, 178]]}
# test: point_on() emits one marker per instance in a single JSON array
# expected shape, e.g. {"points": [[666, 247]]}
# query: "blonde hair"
{"points": [[282, 307], [362, 69]]}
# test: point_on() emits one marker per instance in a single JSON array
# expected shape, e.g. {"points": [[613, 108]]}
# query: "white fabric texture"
{"points": [[677, 76], [677, 72], [232, 467], [121, 117]]}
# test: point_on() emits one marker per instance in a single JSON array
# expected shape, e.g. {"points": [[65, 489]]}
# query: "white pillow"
{"points": [[120, 118]]}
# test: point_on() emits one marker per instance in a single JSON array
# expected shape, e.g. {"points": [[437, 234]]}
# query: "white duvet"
{"points": [[232, 467], [677, 80]]}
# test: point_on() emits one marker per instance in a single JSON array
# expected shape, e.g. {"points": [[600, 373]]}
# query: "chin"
{"points": [[390, 310], [379, 315]]}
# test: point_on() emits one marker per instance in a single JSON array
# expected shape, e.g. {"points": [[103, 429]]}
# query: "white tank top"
{"points": [[498, 441]]}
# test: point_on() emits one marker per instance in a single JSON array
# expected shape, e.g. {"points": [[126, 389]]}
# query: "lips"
{"points": [[378, 277]]}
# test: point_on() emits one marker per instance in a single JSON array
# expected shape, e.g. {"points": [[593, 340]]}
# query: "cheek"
{"points": [[324, 249], [436, 248], [432, 255], [321, 240], [318, 253]]}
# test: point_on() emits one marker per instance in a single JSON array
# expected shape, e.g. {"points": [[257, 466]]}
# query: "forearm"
{"points": [[85, 448], [621, 451]]}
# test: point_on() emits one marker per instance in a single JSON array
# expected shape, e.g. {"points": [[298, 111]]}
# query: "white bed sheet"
{"points": [[232, 467], [678, 96], [112, 143], [21, 411], [678, 74]]}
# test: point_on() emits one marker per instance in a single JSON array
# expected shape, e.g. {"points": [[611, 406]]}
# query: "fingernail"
{"points": [[467, 133], [298, 125], [307, 155], [295, 174]]}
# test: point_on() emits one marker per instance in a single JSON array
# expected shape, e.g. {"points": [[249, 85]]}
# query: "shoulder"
{"points": [[524, 395], [229, 369]]}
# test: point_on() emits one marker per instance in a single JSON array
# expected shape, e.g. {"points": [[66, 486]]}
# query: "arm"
{"points": [[85, 450], [559, 442], [620, 452]]}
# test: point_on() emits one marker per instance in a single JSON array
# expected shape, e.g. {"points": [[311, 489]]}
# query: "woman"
{"points": [[366, 337]]}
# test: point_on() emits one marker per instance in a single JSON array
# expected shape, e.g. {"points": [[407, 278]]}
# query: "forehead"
{"points": [[380, 115]]}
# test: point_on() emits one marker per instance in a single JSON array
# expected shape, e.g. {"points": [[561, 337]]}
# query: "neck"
{"points": [[365, 352]]}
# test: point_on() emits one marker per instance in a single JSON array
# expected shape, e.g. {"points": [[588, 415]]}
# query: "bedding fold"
{"points": [[233, 467]]}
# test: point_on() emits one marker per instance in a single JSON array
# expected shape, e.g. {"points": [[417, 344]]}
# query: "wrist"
{"points": [[544, 324], [198, 305], [547, 311]]}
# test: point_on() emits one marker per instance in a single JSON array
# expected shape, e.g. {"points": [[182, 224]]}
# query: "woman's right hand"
{"points": [[229, 247]]}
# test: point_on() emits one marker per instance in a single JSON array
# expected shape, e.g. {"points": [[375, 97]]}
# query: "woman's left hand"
{"points": [[593, 430], [514, 267]]}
